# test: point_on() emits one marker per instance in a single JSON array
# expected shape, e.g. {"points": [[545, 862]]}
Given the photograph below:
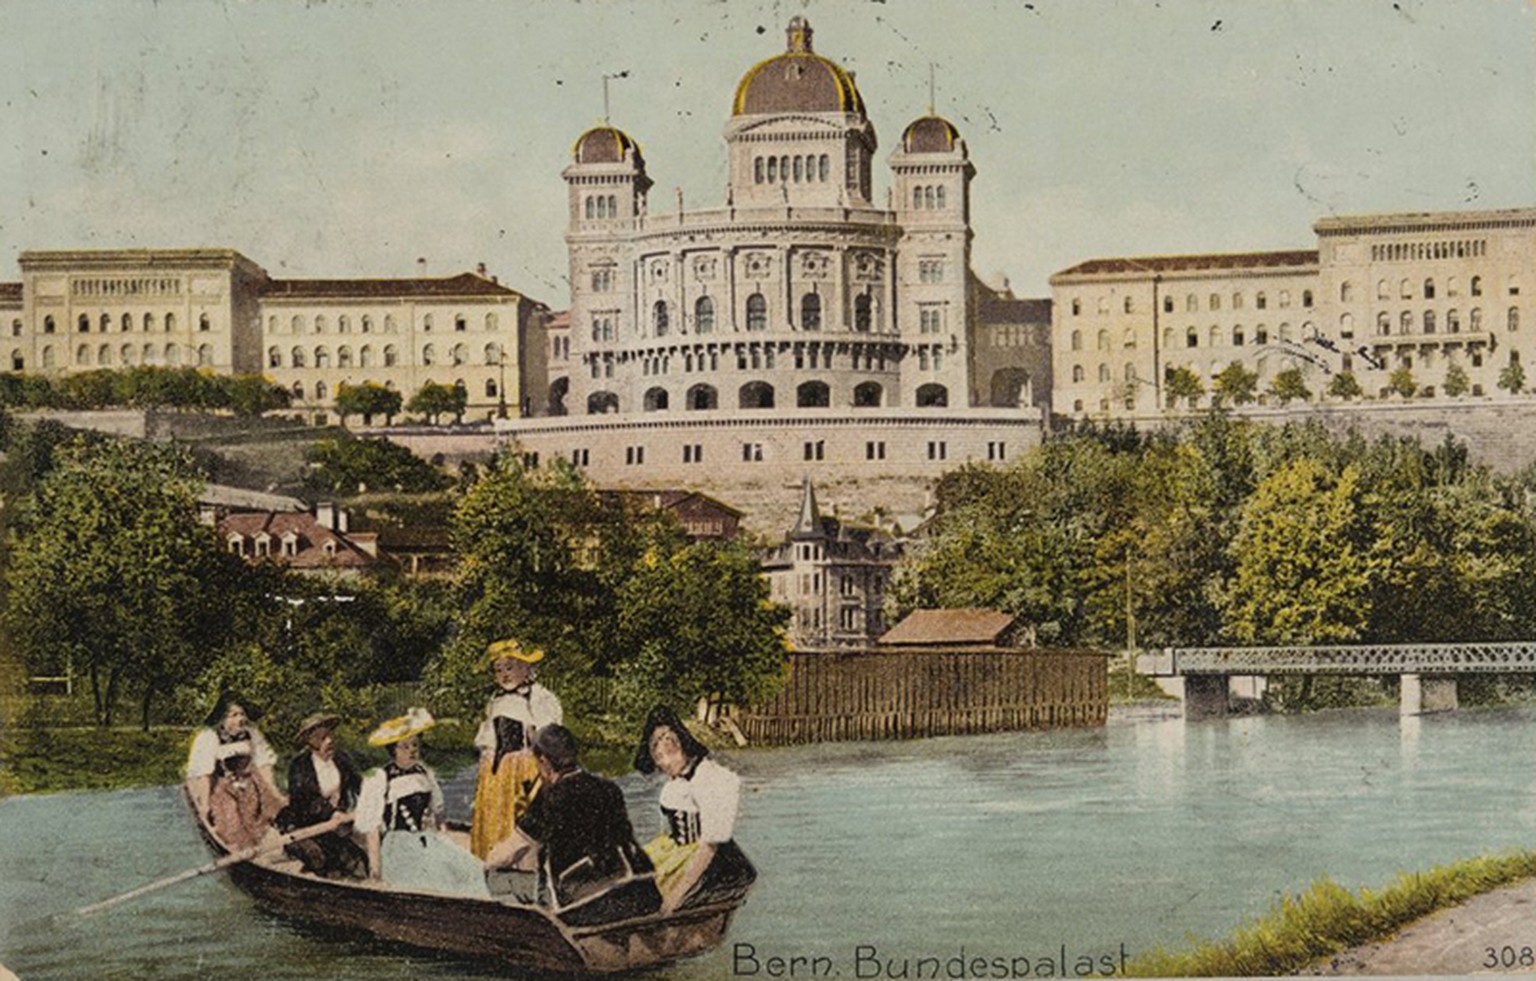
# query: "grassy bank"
{"points": [[1327, 918]]}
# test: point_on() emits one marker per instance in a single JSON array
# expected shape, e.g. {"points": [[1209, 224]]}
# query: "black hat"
{"points": [[663, 717], [557, 745], [226, 698]]}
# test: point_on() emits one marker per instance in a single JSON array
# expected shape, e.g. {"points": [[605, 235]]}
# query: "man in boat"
{"points": [[576, 833], [323, 784]]}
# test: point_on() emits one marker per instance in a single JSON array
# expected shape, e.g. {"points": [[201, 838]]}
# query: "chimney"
{"points": [[421, 265], [480, 270], [332, 516]]}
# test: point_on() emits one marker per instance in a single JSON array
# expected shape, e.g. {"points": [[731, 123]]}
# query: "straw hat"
{"points": [[317, 720], [509, 648], [414, 722]]}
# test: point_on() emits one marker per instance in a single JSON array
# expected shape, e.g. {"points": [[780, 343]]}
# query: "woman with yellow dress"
{"points": [[508, 776]]}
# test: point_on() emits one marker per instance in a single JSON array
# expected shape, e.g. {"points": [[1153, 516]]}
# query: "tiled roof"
{"points": [[955, 626], [994, 309], [10, 292], [560, 320], [312, 538], [1192, 263], [671, 499], [464, 284]]}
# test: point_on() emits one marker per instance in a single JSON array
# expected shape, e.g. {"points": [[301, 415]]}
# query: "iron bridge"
{"points": [[1343, 659]]}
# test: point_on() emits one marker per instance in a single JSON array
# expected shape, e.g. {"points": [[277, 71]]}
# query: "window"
{"points": [[1077, 373], [1429, 289], [634, 455], [757, 170], [391, 356], [1514, 318], [426, 321], [1476, 319], [996, 451], [1191, 303], [1306, 298], [1237, 336], [1167, 304], [757, 312], [810, 312], [322, 358], [1103, 340], [428, 355], [930, 320], [1477, 286], [874, 450], [127, 322], [367, 325], [1077, 307], [170, 322], [1453, 321], [693, 453], [1077, 340], [661, 318], [1103, 372], [1514, 285], [816, 450], [83, 325], [1405, 323], [343, 324], [930, 270], [296, 357], [344, 357], [1260, 301], [1191, 338], [704, 315], [1405, 290], [938, 450], [813, 395], [752, 452], [274, 358], [1213, 302], [365, 357], [1127, 304], [204, 355], [319, 324], [1384, 323]]}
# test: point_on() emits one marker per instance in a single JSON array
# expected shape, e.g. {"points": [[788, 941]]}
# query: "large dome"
{"points": [[930, 134], [799, 80], [604, 144]]}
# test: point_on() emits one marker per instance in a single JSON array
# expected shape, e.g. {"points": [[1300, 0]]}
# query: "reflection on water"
{"points": [[1007, 845]]}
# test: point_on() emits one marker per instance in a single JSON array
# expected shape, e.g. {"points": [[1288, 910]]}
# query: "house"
{"points": [[961, 629], [308, 541]]}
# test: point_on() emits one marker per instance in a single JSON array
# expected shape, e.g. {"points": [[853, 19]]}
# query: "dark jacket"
{"points": [[306, 805]]}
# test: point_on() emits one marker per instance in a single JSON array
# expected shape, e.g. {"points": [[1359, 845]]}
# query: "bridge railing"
{"points": [[1453, 658]]}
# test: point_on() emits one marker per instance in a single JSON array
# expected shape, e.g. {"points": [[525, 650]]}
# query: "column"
{"points": [[1205, 696], [1423, 695]]}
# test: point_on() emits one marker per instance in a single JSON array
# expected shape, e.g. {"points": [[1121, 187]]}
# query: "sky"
{"points": [[348, 138]]}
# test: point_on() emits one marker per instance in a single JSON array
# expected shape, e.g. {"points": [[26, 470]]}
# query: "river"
{"points": [[1006, 846]]}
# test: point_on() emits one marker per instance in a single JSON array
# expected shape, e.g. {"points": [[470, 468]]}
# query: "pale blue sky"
{"points": [[349, 137]]}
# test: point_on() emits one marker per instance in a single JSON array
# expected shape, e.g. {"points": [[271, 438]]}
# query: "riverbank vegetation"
{"points": [[111, 580], [1230, 532], [1327, 918]]}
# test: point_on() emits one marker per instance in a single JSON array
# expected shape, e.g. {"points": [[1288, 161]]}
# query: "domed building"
{"points": [[801, 323]]}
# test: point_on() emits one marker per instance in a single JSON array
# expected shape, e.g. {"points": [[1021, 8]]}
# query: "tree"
{"points": [[433, 400], [1235, 384], [1457, 383], [1512, 378], [348, 465], [1288, 386], [1402, 382], [368, 399], [250, 396], [114, 575], [1182, 383], [1344, 386]]}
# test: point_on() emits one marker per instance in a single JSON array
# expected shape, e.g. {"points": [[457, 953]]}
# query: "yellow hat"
{"points": [[509, 648], [413, 722]]}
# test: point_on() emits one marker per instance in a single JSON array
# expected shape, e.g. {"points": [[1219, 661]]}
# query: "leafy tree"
{"points": [[367, 399], [348, 465], [1512, 378], [434, 400], [1288, 386], [87, 389], [1345, 386], [1235, 384], [250, 396], [1402, 382], [1182, 383], [1456, 381], [113, 573]]}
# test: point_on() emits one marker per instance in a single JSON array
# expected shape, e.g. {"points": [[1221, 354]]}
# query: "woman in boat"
{"points": [[229, 774], [695, 853], [323, 784], [508, 776], [398, 813]]}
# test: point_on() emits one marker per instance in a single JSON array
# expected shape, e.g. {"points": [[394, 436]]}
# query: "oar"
{"points": [[234, 858]]}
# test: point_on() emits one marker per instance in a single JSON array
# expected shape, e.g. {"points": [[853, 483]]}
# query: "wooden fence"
{"points": [[847, 695]]}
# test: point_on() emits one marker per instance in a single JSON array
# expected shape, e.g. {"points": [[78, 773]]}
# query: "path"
{"points": [[1498, 927]]}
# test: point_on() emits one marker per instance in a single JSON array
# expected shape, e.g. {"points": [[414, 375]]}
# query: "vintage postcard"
{"points": [[794, 489]]}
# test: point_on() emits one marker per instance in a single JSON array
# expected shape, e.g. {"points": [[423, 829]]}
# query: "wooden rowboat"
{"points": [[616, 929]]}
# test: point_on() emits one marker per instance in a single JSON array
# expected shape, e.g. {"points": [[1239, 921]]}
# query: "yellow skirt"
{"points": [[500, 799], [670, 860]]}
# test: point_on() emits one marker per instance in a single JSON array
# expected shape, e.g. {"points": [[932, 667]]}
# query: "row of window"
{"points": [[808, 168], [761, 395], [864, 316], [602, 206], [1409, 251], [298, 357], [811, 450], [928, 197], [139, 286], [322, 391], [1428, 321], [128, 354], [1405, 288], [1213, 301], [320, 324], [756, 356], [1215, 336]]}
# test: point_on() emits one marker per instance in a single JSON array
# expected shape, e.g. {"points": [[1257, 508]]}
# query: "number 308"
{"points": [[1509, 957]]}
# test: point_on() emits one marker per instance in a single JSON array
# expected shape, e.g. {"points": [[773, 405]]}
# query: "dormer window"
{"points": [[290, 545], [263, 545], [329, 548], [236, 543]]}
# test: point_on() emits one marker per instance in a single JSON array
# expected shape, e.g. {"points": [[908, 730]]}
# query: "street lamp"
{"points": [[501, 383]]}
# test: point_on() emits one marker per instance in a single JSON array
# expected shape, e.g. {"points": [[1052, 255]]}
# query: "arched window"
{"points": [[1285, 332], [938, 197], [1077, 307], [170, 322], [757, 170], [389, 323], [149, 321], [344, 357], [655, 399], [298, 391], [1475, 321], [1429, 321], [426, 321], [867, 395], [703, 315], [1429, 289], [104, 355], [1405, 323], [813, 395], [1405, 290], [493, 354], [1346, 292], [48, 326], [1077, 340], [1103, 340], [823, 167], [344, 324], [319, 323], [1215, 333], [83, 325], [1514, 318], [1477, 286], [106, 322], [151, 354], [391, 356], [755, 395], [48, 356], [1383, 323], [810, 312], [172, 354], [203, 323], [1191, 303], [1306, 299], [1078, 375], [1452, 287], [205, 355], [773, 170], [459, 355], [296, 357], [490, 388], [428, 355], [127, 354], [1453, 321], [127, 322], [322, 357], [757, 312], [1128, 339], [274, 358], [863, 312], [1191, 338], [932, 396], [1104, 373], [601, 402], [320, 391], [367, 325], [702, 397], [1213, 302]]}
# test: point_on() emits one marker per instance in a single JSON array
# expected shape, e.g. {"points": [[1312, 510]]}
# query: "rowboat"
{"points": [[617, 928]]}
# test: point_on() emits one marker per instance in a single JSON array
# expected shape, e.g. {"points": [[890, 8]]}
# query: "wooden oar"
{"points": [[234, 858]]}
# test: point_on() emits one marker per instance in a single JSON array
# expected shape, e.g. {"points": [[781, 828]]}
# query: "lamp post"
{"points": [[501, 383]]}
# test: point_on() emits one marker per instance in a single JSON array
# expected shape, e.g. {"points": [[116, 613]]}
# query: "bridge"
{"points": [[1428, 671]]}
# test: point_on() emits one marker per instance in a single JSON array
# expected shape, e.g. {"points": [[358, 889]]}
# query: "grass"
{"points": [[1327, 918]]}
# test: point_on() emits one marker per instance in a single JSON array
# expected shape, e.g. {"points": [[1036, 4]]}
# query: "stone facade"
{"points": [[216, 309]]}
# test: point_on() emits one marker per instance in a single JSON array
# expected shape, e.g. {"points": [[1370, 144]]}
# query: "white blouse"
{"points": [[708, 800], [537, 709], [378, 790], [208, 752]]}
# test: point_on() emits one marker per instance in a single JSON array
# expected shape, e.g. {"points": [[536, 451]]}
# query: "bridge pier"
{"points": [[1423, 694], [1206, 696]]}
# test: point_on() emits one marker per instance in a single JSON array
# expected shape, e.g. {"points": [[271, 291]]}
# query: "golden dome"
{"points": [[929, 134], [799, 80], [605, 144]]}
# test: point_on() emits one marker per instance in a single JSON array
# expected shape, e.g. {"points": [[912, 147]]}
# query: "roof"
{"points": [[1299, 258], [312, 538], [605, 144], [223, 495], [1416, 220], [998, 309], [672, 499], [464, 284], [929, 134], [799, 80], [10, 292], [559, 321], [970, 625]]}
